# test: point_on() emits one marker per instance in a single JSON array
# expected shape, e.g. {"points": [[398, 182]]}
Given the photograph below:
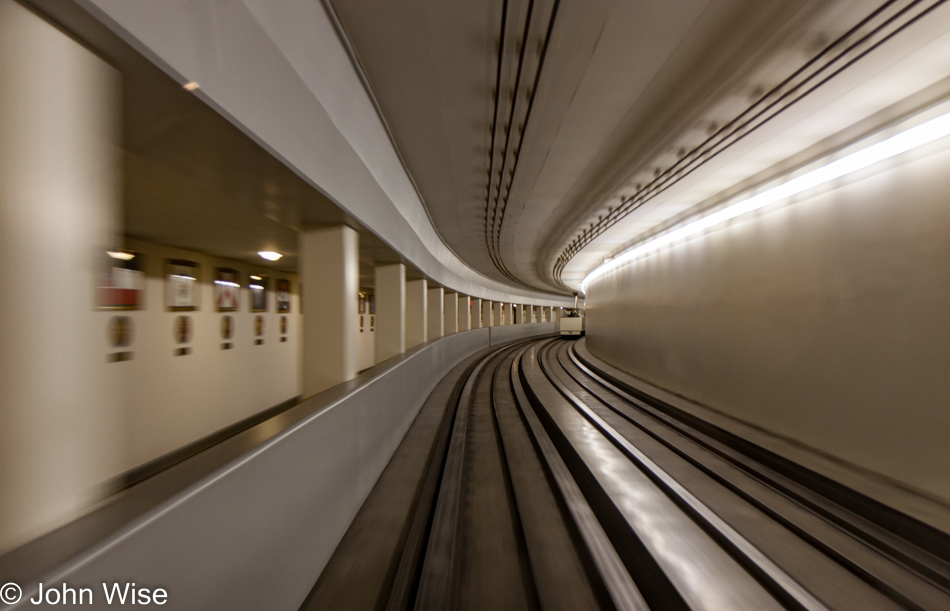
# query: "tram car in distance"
{"points": [[572, 323]]}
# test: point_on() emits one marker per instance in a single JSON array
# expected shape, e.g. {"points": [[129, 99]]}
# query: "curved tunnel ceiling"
{"points": [[532, 127], [518, 118]]}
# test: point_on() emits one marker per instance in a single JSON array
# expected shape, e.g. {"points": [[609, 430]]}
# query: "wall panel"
{"points": [[823, 320]]}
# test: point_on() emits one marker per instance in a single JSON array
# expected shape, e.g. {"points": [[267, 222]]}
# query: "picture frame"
{"points": [[120, 283], [227, 290], [181, 285], [283, 296], [258, 286]]}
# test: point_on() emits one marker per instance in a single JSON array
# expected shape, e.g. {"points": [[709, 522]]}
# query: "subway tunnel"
{"points": [[515, 304]]}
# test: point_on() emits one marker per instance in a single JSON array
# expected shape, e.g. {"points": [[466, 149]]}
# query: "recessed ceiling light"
{"points": [[269, 255], [118, 254], [255, 278], [191, 86]]}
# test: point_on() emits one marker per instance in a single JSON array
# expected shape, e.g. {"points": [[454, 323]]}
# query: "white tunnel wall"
{"points": [[823, 320], [174, 400]]}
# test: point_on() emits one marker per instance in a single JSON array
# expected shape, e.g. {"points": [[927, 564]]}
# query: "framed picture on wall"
{"points": [[120, 283], [181, 285], [283, 296], [258, 286], [227, 290]]}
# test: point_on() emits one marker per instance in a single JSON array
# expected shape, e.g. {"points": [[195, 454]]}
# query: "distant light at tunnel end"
{"points": [[270, 255], [909, 139]]}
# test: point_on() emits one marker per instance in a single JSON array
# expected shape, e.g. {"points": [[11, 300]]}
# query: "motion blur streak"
{"points": [[910, 139]]}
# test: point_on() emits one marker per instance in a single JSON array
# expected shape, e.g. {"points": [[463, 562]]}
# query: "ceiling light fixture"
{"points": [[256, 278], [907, 140], [191, 86], [118, 254], [269, 255]]}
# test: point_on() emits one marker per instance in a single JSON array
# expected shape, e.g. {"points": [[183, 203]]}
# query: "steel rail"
{"points": [[879, 566], [774, 578]]}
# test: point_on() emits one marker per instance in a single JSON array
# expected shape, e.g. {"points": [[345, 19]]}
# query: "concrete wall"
{"points": [[324, 465], [823, 320], [511, 332]]}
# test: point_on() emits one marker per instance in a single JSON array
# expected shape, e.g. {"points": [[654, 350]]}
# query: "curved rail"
{"points": [[551, 485]]}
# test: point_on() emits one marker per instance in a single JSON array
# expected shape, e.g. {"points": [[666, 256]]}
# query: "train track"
{"points": [[531, 479]]}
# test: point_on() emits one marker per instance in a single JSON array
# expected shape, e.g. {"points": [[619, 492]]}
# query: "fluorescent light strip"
{"points": [[227, 283], [256, 287], [181, 277], [910, 139]]}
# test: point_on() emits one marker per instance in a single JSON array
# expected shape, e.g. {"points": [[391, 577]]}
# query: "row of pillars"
{"points": [[62, 412], [408, 313]]}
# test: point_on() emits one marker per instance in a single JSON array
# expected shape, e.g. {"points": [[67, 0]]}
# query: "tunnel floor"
{"points": [[530, 479]]}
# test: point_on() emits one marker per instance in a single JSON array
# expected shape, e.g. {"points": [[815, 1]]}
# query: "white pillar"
{"points": [[416, 318], [464, 320], [390, 293], [435, 305], [476, 312], [450, 310], [330, 274], [61, 404], [488, 313]]}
